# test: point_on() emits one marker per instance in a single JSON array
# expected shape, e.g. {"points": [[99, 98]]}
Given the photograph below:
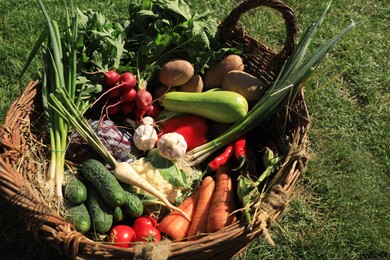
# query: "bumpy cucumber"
{"points": [[78, 215], [104, 181], [101, 213], [221, 106], [118, 213], [133, 205], [75, 191]]}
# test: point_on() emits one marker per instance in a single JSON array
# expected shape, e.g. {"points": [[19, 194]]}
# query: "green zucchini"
{"points": [[78, 215], [220, 106], [102, 215], [104, 181], [75, 191]]}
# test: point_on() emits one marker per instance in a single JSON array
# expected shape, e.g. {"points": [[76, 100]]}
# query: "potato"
{"points": [[195, 84], [214, 76], [245, 84], [176, 72]]}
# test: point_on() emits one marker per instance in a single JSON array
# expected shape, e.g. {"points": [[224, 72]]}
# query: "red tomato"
{"points": [[148, 234], [121, 235], [143, 221]]}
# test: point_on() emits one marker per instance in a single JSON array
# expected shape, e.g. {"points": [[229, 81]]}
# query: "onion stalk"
{"points": [[293, 74], [60, 73]]}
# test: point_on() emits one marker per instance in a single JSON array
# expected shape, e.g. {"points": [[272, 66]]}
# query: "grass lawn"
{"points": [[340, 207]]}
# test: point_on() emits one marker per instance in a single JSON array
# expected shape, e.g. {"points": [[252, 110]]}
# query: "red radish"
{"points": [[112, 108], [114, 93], [127, 80], [129, 95], [143, 102], [126, 108], [111, 78], [153, 110]]}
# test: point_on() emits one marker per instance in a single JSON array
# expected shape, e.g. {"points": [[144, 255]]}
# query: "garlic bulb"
{"points": [[145, 137], [172, 146]]}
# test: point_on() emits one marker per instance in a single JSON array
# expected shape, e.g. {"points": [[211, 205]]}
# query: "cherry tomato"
{"points": [[121, 235], [148, 234], [143, 221]]}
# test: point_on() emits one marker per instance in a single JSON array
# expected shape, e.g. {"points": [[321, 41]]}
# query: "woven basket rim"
{"points": [[49, 226]]}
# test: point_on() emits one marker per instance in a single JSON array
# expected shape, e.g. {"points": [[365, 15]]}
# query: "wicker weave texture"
{"points": [[23, 139]]}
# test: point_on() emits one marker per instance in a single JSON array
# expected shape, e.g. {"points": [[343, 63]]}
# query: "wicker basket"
{"points": [[22, 139]]}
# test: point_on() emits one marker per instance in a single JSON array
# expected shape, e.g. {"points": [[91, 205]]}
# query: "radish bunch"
{"points": [[122, 96]]}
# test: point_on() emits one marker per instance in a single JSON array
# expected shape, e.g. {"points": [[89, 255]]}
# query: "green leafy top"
{"points": [[160, 30]]}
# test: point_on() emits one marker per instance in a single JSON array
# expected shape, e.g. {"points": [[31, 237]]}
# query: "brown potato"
{"points": [[245, 84], [176, 72], [195, 84], [214, 76]]}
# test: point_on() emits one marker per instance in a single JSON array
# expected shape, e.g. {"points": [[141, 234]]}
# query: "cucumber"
{"points": [[133, 205], [78, 215], [75, 191], [118, 214], [220, 106], [102, 215], [104, 181]]}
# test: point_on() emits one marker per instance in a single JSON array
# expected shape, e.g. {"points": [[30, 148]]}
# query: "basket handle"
{"points": [[288, 14]]}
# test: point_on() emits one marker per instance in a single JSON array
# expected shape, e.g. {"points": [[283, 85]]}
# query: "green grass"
{"points": [[340, 208]]}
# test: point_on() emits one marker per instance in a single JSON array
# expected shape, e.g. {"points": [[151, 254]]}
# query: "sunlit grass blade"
{"points": [[42, 37]]}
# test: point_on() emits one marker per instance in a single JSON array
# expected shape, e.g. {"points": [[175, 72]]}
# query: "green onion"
{"points": [[293, 74], [60, 74]]}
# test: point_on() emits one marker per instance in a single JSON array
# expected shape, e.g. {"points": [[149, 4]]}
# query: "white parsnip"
{"points": [[125, 173]]}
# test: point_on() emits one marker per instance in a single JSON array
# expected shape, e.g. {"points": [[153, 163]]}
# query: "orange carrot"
{"points": [[175, 225], [220, 214], [199, 220]]}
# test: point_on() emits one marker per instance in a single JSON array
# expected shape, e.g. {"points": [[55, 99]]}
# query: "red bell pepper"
{"points": [[192, 127]]}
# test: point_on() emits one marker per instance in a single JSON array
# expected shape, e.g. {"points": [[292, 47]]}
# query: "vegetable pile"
{"points": [[189, 112]]}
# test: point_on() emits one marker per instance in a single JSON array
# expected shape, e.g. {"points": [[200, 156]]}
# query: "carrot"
{"points": [[199, 220], [220, 214], [175, 225]]}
